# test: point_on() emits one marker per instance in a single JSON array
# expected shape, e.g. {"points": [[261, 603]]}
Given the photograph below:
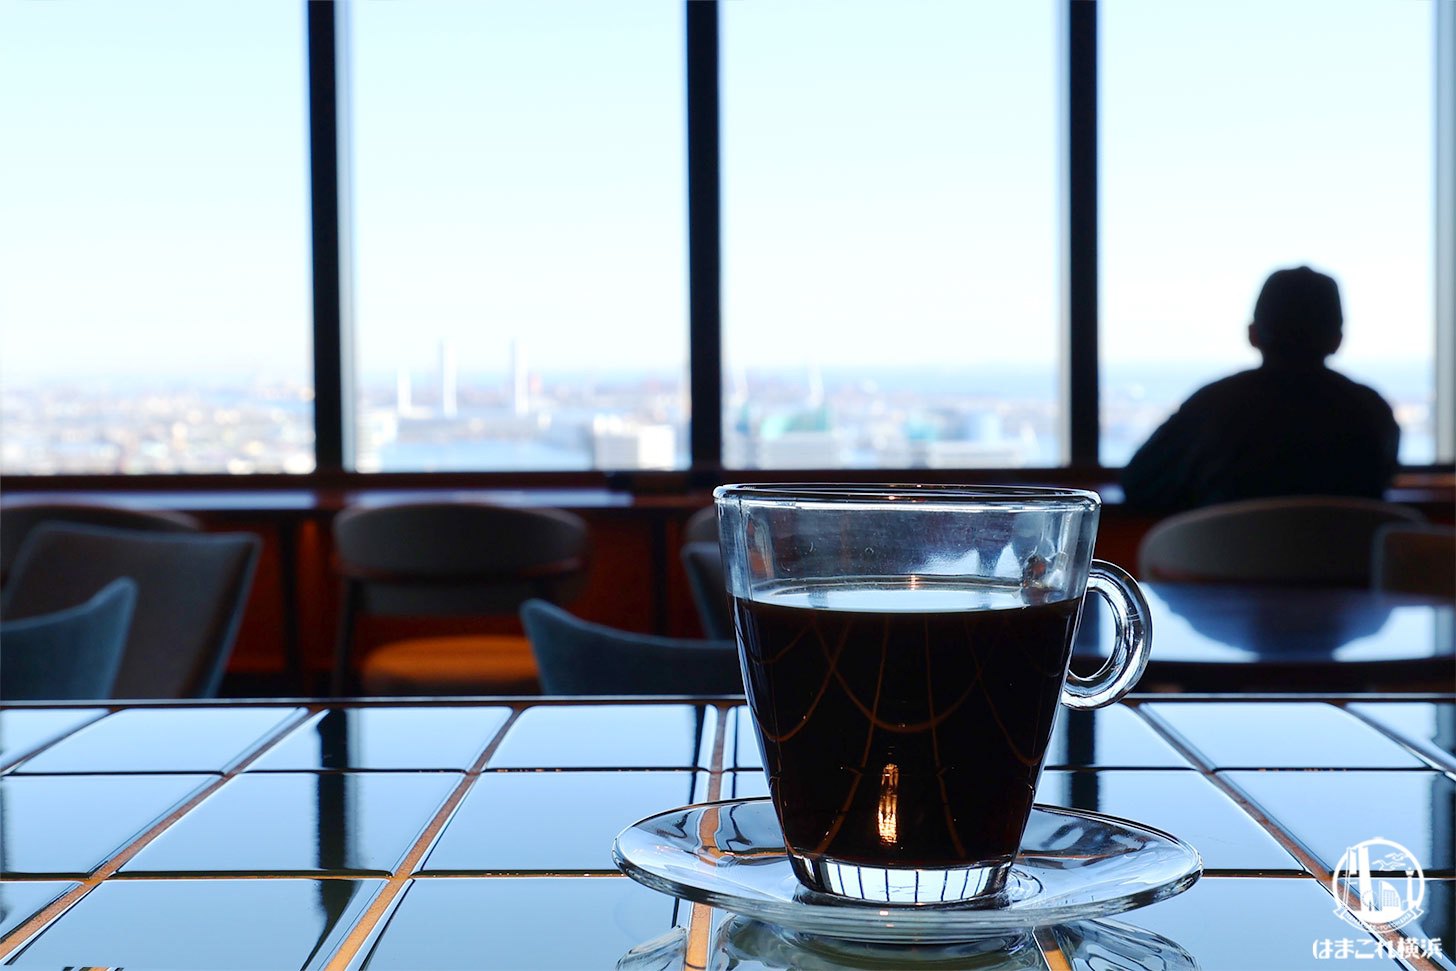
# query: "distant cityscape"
{"points": [[528, 419]]}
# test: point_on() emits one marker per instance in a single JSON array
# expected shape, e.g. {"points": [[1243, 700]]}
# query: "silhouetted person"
{"points": [[1291, 426]]}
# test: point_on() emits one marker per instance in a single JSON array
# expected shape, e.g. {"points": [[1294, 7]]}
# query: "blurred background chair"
{"points": [[68, 655], [451, 559], [18, 519], [1415, 558], [702, 526], [704, 566], [191, 591], [1311, 540], [577, 657]]}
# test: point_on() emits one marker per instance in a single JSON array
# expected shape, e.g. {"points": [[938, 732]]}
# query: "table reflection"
{"points": [[1217, 637], [743, 944], [145, 837], [1289, 624]]}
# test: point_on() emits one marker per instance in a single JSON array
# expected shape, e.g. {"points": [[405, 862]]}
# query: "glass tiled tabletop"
{"points": [[21, 901], [1281, 735], [611, 736], [70, 824], [1183, 803], [387, 738], [522, 922], [1330, 811], [553, 821], [301, 823], [464, 833], [24, 732], [1428, 728], [203, 924], [1276, 923], [194, 739]]}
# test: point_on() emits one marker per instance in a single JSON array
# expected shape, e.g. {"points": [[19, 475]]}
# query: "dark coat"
{"points": [[1276, 430]]}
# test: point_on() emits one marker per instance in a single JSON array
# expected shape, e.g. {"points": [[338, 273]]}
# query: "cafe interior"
{"points": [[375, 468]]}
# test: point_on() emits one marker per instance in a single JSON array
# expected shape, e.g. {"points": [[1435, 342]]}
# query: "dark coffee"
{"points": [[904, 726]]}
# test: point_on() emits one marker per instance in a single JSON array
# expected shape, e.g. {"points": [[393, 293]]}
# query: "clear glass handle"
{"points": [[1132, 640]]}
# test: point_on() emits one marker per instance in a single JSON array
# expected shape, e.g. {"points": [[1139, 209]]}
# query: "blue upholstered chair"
{"points": [[702, 526], [191, 591], [72, 654], [704, 566], [17, 519], [577, 657]]}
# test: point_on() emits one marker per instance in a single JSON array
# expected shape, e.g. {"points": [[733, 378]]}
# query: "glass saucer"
{"points": [[1073, 865], [744, 944]]}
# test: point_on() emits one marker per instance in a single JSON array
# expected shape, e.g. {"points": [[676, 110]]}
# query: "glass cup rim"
{"points": [[903, 494]]}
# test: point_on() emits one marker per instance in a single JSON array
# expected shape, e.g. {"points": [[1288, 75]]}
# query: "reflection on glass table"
{"points": [[1216, 637], [743, 944], [1429, 727], [406, 834]]}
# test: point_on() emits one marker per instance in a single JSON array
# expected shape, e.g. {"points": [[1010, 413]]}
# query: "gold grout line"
{"points": [[368, 921], [100, 874], [1271, 825], [700, 926], [700, 919], [1051, 950]]}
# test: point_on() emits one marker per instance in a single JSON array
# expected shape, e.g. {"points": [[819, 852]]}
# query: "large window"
{"points": [[1312, 146], [871, 220], [154, 289], [890, 234], [519, 249]]}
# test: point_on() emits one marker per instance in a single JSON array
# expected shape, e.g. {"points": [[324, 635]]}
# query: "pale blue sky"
{"points": [[1246, 135], [153, 195], [889, 180], [520, 175]]}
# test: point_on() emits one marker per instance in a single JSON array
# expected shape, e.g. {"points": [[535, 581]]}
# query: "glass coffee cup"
{"points": [[904, 651]]}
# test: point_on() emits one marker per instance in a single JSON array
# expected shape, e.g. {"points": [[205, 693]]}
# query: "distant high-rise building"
{"points": [[625, 444], [802, 450], [448, 375]]}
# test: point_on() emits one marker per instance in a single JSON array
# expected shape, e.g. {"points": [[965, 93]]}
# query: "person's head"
{"points": [[1297, 316]]}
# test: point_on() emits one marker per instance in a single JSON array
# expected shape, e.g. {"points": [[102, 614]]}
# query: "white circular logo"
{"points": [[1378, 883]]}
